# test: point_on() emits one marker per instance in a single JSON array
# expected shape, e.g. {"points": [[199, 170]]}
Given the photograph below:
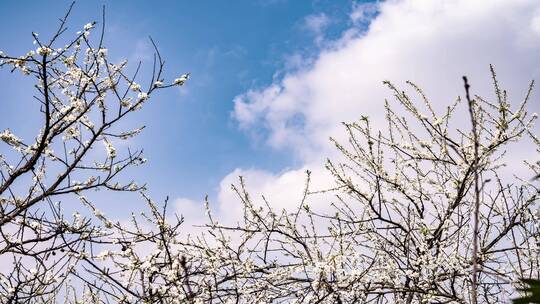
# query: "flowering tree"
{"points": [[440, 192], [422, 212], [82, 98], [409, 205]]}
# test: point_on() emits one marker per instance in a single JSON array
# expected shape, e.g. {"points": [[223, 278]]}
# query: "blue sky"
{"points": [[228, 46], [273, 79]]}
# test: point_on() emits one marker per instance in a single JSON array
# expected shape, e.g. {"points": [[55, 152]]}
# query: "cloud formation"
{"points": [[432, 43], [316, 24]]}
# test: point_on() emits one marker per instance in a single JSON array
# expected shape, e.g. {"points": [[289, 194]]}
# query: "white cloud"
{"points": [[316, 24], [284, 190], [364, 12], [193, 213], [432, 43]]}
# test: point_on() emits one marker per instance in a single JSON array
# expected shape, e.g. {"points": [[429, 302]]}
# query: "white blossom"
{"points": [[9, 138], [111, 151], [182, 79], [43, 51], [88, 26]]}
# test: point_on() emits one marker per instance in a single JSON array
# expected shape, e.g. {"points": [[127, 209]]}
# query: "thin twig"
{"points": [[476, 194]]}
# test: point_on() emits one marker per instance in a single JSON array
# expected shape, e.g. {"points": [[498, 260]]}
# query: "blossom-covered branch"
{"points": [[82, 97]]}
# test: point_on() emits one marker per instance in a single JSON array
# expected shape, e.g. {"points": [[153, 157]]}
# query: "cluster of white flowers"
{"points": [[9, 138], [135, 87], [88, 26], [142, 96], [181, 80], [126, 102], [111, 150], [44, 51]]}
